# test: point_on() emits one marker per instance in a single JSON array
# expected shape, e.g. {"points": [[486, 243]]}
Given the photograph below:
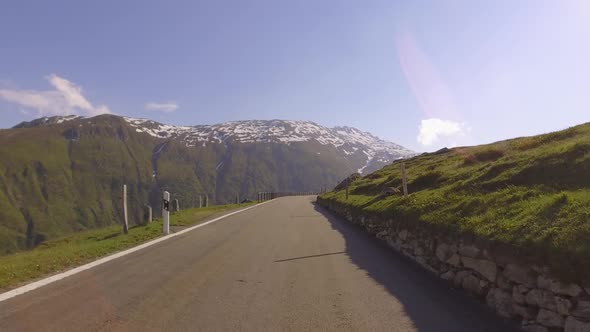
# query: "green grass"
{"points": [[61, 254], [532, 194], [190, 216]]}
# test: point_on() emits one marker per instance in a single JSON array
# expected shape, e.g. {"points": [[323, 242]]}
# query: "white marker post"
{"points": [[347, 185], [166, 213], [125, 221], [149, 215], [404, 180]]}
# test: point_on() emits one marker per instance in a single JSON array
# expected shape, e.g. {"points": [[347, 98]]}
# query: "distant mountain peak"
{"points": [[47, 121], [367, 150], [348, 140]]}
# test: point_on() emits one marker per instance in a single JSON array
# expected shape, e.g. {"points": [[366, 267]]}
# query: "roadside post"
{"points": [[404, 179], [347, 184], [149, 214], [166, 213], [125, 220]]}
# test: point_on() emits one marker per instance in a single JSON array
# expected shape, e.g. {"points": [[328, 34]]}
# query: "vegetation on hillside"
{"points": [[531, 193], [55, 180]]}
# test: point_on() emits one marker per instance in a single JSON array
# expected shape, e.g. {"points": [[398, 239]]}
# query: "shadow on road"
{"points": [[429, 301], [310, 256]]}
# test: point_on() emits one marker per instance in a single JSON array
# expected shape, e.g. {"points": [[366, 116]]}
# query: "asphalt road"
{"points": [[284, 266]]}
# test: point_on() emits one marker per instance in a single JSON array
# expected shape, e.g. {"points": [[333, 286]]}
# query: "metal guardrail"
{"points": [[265, 196]]}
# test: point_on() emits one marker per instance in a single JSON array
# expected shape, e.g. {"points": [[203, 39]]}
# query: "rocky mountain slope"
{"points": [[64, 174], [349, 141]]}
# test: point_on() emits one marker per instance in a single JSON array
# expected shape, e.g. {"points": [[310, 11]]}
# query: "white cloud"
{"points": [[162, 107], [432, 130], [65, 99]]}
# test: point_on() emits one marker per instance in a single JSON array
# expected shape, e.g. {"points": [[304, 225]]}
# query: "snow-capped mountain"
{"points": [[363, 149], [348, 140]]}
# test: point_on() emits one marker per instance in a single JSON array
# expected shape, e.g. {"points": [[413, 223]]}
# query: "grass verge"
{"points": [[62, 254], [531, 193]]}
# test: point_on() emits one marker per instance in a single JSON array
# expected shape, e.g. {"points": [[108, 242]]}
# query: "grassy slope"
{"points": [[279, 167], [247, 169], [532, 194], [61, 254], [55, 180]]}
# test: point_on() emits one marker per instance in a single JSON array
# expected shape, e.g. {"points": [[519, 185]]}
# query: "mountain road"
{"points": [[287, 265]]}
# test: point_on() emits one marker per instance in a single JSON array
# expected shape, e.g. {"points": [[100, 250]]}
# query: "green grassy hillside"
{"points": [[532, 194], [60, 179]]}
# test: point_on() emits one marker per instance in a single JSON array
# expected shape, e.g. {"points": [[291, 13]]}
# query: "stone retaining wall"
{"points": [[519, 291]]}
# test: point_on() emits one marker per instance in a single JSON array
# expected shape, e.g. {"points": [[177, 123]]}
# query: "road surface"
{"points": [[284, 266]]}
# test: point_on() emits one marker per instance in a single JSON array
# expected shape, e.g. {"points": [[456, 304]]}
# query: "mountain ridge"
{"points": [[348, 139]]}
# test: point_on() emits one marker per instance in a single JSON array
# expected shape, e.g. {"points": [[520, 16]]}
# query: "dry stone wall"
{"points": [[516, 290]]}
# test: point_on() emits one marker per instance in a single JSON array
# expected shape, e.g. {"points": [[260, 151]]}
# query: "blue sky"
{"points": [[424, 74]]}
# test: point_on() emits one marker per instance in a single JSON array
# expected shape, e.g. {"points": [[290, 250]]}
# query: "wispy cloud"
{"points": [[433, 130], [162, 107], [66, 98]]}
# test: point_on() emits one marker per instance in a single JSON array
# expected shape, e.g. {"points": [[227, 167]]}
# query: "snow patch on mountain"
{"points": [[359, 148], [47, 121], [347, 140]]}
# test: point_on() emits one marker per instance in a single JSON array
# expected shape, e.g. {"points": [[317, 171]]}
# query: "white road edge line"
{"points": [[40, 283]]}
